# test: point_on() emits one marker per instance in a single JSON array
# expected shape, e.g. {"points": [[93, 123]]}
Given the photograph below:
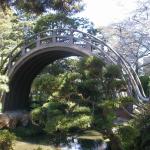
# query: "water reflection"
{"points": [[73, 143]]}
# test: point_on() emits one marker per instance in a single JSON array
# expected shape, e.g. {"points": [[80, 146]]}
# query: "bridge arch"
{"points": [[25, 70], [30, 57]]}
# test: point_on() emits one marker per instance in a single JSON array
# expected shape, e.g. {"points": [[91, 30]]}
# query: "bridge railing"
{"points": [[80, 39]]}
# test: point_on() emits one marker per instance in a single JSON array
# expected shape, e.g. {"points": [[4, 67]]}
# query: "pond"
{"points": [[83, 144], [89, 140]]}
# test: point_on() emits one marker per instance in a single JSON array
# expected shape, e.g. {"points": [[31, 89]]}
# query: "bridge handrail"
{"points": [[124, 61], [118, 54]]}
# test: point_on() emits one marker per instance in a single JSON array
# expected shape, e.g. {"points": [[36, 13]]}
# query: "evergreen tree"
{"points": [[38, 6]]}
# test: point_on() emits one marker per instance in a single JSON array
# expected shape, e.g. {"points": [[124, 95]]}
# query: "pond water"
{"points": [[83, 144]]}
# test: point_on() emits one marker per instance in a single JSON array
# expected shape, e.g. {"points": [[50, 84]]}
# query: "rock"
{"points": [[11, 119], [4, 121]]}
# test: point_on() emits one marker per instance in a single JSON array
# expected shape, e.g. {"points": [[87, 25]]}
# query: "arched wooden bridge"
{"points": [[30, 57]]}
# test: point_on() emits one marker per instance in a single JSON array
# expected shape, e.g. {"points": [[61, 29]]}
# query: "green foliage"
{"points": [[38, 7], [30, 131], [3, 87], [135, 134], [105, 114], [99, 81], [57, 117], [53, 21], [61, 66], [40, 88], [142, 123], [3, 83], [69, 94], [82, 110], [56, 83], [78, 122], [127, 134], [80, 82], [91, 66], [6, 140], [81, 96], [125, 101], [12, 31], [61, 21], [54, 109], [38, 116], [113, 71], [145, 80]]}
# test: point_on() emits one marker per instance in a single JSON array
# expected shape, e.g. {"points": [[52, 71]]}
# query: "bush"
{"points": [[3, 83], [142, 123], [127, 134], [38, 116], [6, 140], [145, 83], [27, 131], [78, 122]]}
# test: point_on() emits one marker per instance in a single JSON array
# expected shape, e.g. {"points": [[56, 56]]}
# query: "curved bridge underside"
{"points": [[26, 69], [30, 57]]}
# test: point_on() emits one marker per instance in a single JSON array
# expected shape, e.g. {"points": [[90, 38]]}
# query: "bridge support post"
{"points": [[88, 44], [54, 37], [149, 90], [38, 41], [10, 62], [71, 38], [23, 51]]}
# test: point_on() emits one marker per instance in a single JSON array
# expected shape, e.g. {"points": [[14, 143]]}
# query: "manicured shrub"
{"points": [[6, 140]]}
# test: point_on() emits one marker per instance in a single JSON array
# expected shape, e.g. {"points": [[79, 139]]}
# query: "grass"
{"points": [[34, 142], [20, 145]]}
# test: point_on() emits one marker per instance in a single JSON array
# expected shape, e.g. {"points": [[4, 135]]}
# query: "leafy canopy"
{"points": [[40, 6]]}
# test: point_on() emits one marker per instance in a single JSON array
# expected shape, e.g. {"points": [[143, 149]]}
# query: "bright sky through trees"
{"points": [[105, 12]]}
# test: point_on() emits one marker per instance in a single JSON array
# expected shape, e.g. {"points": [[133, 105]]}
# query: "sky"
{"points": [[105, 12]]}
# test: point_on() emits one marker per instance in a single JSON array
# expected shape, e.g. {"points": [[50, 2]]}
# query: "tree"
{"points": [[38, 7], [131, 37], [61, 21], [7, 42], [79, 93], [3, 83], [12, 32]]}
